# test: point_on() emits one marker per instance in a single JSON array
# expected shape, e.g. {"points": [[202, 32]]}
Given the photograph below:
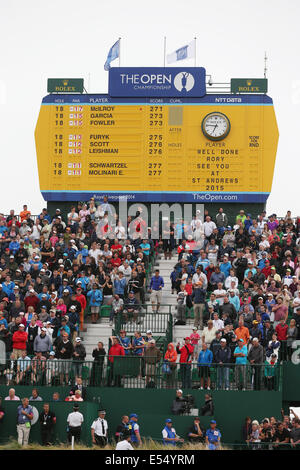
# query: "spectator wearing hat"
{"points": [[19, 340], [169, 434], [99, 429], [134, 430], [75, 421], [240, 354], [79, 354], [213, 436]]}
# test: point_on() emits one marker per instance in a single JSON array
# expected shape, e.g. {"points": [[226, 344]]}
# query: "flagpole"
{"points": [[165, 48], [195, 39], [119, 52]]}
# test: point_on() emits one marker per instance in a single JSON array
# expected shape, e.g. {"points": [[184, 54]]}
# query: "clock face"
{"points": [[215, 126]]}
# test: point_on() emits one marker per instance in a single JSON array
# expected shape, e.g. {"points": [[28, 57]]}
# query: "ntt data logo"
{"points": [[184, 82]]}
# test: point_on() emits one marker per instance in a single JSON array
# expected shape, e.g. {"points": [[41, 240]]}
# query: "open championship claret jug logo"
{"points": [[184, 82]]}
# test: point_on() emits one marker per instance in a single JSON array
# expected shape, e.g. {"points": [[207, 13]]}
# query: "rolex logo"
{"points": [[65, 82], [249, 82]]}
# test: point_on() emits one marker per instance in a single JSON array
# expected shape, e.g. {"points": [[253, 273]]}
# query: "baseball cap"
{"points": [[241, 340], [133, 415], [212, 421], [52, 353], [77, 339], [149, 332], [179, 390], [66, 290], [44, 329], [223, 340], [168, 420]]}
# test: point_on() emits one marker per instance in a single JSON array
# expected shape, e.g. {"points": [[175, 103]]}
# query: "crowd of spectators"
{"points": [[271, 433], [241, 283]]}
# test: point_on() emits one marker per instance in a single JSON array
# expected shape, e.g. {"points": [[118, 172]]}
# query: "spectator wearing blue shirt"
{"points": [[156, 285], [216, 277], [95, 298], [120, 285], [8, 286], [240, 353], [124, 342], [225, 267], [145, 248], [234, 300], [213, 436], [14, 246], [204, 362], [203, 261], [248, 222], [24, 417]]}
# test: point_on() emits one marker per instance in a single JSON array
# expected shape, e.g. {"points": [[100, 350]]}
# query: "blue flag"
{"points": [[114, 53]]}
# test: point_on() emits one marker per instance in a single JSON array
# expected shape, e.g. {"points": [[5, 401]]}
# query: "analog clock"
{"points": [[215, 126]]}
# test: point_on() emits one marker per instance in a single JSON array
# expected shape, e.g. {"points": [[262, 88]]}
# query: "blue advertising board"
{"points": [[157, 81]]}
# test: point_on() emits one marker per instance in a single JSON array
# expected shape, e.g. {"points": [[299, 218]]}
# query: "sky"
{"points": [[71, 38]]}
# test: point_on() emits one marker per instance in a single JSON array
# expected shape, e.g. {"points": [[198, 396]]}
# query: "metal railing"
{"points": [[146, 318], [138, 371]]}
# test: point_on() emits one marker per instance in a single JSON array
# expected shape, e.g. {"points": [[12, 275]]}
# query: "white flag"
{"points": [[185, 52]]}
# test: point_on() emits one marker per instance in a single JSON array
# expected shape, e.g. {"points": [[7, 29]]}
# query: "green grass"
{"points": [[147, 445]]}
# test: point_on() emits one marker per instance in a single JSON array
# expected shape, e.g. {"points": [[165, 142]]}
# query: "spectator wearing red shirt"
{"points": [[267, 269], [82, 300], [281, 330], [116, 247], [115, 350], [116, 261], [19, 341], [31, 300], [186, 355]]}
